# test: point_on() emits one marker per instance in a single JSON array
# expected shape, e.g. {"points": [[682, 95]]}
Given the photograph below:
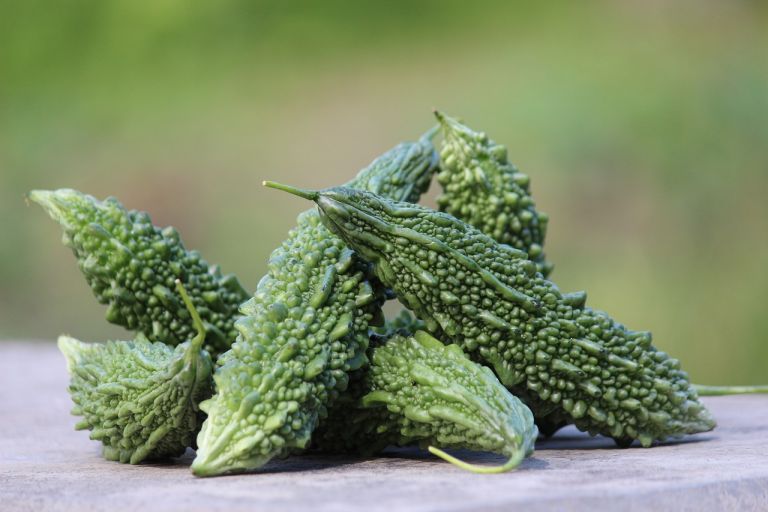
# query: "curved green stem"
{"points": [[728, 390], [512, 463], [312, 195], [197, 322]]}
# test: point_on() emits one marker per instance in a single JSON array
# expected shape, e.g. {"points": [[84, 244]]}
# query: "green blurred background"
{"points": [[643, 125]]}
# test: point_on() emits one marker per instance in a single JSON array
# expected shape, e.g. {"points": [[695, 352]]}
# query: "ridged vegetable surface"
{"points": [[482, 188], [418, 390], [544, 345], [139, 398], [305, 328], [131, 265]]}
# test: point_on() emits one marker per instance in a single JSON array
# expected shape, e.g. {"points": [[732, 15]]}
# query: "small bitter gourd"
{"points": [[132, 265], [304, 329], [140, 398], [545, 346], [418, 390], [482, 188]]}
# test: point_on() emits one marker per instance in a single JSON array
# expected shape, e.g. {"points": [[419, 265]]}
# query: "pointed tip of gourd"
{"points": [[72, 350], [312, 195], [447, 123], [46, 199], [54, 202]]}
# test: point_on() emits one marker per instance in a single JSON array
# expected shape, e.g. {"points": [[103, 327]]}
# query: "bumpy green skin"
{"points": [[305, 328], [483, 189], [131, 265], [545, 346], [419, 390], [139, 398]]}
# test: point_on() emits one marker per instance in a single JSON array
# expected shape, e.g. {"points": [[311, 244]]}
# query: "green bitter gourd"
{"points": [[139, 398], [418, 390], [131, 265], [545, 346], [304, 329], [482, 188]]}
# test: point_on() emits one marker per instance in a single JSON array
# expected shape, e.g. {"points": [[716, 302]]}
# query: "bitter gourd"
{"points": [[482, 188], [545, 346], [131, 265], [419, 390], [140, 398], [304, 329]]}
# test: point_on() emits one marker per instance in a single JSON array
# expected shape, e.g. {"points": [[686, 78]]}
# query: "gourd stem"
{"points": [[728, 390], [197, 322], [512, 463], [439, 115], [312, 195]]}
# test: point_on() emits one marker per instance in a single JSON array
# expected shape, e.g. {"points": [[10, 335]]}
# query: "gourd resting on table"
{"points": [[132, 265], [483, 189], [302, 332], [418, 390], [489, 298], [139, 398]]}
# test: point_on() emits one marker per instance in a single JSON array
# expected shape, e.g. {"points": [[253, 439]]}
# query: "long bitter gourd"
{"points": [[418, 390], [489, 298], [305, 328], [139, 398], [482, 188], [131, 265]]}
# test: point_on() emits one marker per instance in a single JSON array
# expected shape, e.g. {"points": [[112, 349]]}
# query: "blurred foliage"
{"points": [[643, 125]]}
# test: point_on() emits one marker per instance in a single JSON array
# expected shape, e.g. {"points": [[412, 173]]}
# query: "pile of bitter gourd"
{"points": [[490, 354]]}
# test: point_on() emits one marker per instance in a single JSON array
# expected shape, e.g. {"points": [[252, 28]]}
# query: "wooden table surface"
{"points": [[46, 465]]}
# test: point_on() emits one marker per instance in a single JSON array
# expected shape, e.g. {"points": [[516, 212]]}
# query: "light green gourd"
{"points": [[545, 346], [303, 331], [418, 390], [139, 398], [482, 188], [132, 265]]}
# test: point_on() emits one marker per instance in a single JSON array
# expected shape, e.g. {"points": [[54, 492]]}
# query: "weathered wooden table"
{"points": [[46, 465]]}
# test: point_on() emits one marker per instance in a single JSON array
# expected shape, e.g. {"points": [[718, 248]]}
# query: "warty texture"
{"points": [[131, 266], [302, 332], [139, 398], [482, 188], [418, 390], [489, 299]]}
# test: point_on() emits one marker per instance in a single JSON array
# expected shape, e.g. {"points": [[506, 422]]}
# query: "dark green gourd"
{"points": [[417, 390], [546, 347], [131, 265], [304, 329], [139, 398], [483, 189]]}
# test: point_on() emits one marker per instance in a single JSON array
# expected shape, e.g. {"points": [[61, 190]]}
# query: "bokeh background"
{"points": [[643, 125]]}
